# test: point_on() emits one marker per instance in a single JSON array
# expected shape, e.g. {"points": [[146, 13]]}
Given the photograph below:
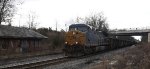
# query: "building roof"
{"points": [[16, 32]]}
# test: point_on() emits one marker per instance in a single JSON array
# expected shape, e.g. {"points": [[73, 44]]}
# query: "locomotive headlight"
{"points": [[73, 33], [66, 42], [76, 42]]}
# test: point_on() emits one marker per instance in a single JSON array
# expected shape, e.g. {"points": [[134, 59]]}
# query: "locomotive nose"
{"points": [[74, 38]]}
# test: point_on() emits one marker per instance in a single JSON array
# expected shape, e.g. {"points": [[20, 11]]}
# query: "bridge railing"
{"points": [[127, 30]]}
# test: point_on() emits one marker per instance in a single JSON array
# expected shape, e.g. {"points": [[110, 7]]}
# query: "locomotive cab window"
{"points": [[82, 29], [79, 27], [72, 29]]}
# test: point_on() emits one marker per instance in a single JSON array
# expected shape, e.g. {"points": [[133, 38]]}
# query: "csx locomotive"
{"points": [[81, 40]]}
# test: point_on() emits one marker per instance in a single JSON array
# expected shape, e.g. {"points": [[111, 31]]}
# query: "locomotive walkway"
{"points": [[145, 33]]}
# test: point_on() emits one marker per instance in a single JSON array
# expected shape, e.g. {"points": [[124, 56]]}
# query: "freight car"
{"points": [[82, 40]]}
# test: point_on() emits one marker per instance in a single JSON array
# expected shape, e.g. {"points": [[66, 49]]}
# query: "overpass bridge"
{"points": [[145, 33]]}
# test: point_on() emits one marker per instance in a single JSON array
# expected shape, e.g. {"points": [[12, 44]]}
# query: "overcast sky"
{"points": [[119, 13]]}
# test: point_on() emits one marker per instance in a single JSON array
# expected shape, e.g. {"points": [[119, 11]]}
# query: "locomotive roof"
{"points": [[78, 25]]}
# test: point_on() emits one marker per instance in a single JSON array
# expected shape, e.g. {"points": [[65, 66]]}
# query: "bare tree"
{"points": [[32, 20], [7, 11], [97, 21]]}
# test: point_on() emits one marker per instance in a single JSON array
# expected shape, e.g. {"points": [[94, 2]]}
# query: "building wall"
{"points": [[18, 46]]}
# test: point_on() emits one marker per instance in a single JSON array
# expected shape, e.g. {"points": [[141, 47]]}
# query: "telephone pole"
{"points": [[56, 25]]}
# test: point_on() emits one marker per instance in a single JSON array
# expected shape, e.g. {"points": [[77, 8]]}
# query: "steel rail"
{"points": [[37, 65]]}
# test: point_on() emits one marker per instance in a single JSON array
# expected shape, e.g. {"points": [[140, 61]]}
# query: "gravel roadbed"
{"points": [[86, 63]]}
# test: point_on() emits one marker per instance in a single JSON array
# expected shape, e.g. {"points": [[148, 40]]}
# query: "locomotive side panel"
{"points": [[91, 39]]}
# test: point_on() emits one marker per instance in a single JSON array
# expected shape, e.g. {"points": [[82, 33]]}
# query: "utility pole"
{"points": [[56, 25], [20, 17], [77, 19], [66, 27], [19, 20]]}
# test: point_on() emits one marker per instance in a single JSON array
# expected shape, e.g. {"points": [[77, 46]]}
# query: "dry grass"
{"points": [[134, 58]]}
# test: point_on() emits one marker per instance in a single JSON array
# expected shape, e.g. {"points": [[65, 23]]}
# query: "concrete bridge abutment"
{"points": [[146, 38]]}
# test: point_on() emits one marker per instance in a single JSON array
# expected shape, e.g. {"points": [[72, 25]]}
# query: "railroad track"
{"points": [[45, 63], [42, 64], [37, 65]]}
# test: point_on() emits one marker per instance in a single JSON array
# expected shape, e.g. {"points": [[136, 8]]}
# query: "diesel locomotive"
{"points": [[82, 40]]}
